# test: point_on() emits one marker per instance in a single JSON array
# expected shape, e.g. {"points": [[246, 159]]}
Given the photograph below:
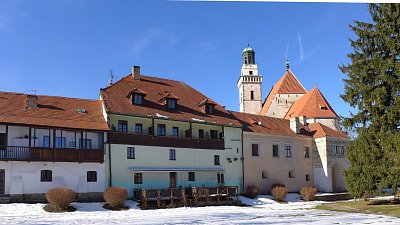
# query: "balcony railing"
{"points": [[164, 141], [18, 153]]}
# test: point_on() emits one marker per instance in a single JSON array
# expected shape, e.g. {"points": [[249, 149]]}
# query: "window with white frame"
{"points": [[288, 151], [172, 154]]}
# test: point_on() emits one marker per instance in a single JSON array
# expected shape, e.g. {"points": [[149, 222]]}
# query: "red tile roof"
{"points": [[268, 125], [52, 111], [288, 84], [115, 101], [319, 130], [312, 105]]}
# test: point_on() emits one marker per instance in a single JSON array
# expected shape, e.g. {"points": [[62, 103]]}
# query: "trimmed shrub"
{"points": [[279, 191], [60, 198], [308, 193], [252, 191], [115, 196]]}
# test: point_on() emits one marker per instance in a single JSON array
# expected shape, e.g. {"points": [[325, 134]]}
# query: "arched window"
{"points": [[252, 95]]}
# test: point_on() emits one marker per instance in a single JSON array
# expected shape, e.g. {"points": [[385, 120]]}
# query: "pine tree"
{"points": [[373, 88]]}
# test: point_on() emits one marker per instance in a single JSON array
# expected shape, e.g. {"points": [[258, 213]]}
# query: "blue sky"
{"points": [[66, 48]]}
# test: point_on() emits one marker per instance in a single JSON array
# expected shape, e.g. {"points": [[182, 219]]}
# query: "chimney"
{"points": [[136, 72], [303, 120], [295, 125], [31, 102]]}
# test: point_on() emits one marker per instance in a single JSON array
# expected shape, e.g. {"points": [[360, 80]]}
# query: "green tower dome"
{"points": [[248, 55]]}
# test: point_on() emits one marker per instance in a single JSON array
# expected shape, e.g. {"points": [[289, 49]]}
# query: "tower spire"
{"points": [[287, 64]]}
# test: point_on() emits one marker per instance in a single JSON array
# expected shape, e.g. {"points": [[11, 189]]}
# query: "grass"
{"points": [[362, 207], [52, 209], [107, 206]]}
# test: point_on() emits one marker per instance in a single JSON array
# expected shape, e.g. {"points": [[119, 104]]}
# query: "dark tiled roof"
{"points": [[52, 112], [268, 125], [116, 101]]}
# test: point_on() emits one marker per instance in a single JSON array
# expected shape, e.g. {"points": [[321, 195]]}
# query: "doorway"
{"points": [[2, 178], [172, 179]]}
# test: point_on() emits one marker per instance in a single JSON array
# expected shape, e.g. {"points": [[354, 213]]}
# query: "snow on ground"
{"points": [[261, 211]]}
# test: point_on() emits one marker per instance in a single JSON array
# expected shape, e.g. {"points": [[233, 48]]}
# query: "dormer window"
{"points": [[210, 108], [137, 99], [171, 103], [137, 95]]}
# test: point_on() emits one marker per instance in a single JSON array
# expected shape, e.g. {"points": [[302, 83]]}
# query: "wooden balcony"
{"points": [[17, 153], [164, 141]]}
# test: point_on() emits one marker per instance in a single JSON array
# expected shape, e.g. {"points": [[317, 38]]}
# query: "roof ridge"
{"points": [[297, 80], [53, 96]]}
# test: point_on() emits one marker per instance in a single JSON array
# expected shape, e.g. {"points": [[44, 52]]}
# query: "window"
{"points": [[306, 152], [275, 150], [172, 154], [171, 103], [91, 176], [251, 72], [220, 178], [341, 149], [213, 134], [175, 131], [138, 128], [191, 176], [130, 153], [254, 150], [336, 149], [61, 142], [122, 126], [46, 176], [137, 178], [264, 174], [201, 134], [137, 99], [291, 174], [46, 141], [288, 151], [307, 177], [161, 129], [252, 95], [216, 160], [210, 108], [86, 143]]}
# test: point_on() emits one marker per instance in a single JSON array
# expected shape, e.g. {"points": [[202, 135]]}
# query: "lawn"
{"points": [[362, 207], [260, 211]]}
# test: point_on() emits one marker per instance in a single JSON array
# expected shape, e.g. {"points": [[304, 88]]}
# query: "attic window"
{"points": [[210, 108], [137, 99], [324, 107], [171, 103], [82, 111], [137, 95]]}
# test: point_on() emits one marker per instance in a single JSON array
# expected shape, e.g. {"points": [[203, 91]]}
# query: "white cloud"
{"points": [[301, 47], [151, 36]]}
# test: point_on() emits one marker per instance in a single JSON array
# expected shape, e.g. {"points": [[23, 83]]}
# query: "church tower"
{"points": [[249, 84]]}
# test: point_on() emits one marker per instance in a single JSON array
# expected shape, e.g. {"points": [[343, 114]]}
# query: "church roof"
{"points": [[288, 84], [319, 130], [157, 89], [312, 105]]}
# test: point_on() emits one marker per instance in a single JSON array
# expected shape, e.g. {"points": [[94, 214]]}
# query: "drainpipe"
{"points": [[109, 158], [242, 163]]}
